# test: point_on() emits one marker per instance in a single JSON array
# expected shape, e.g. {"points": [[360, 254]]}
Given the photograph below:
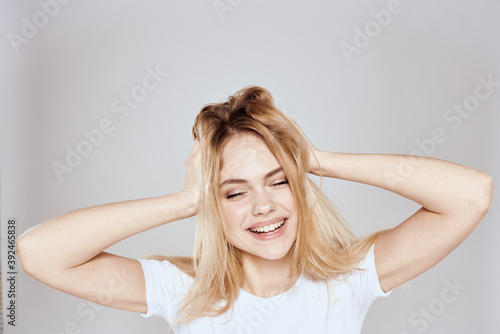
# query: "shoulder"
{"points": [[166, 285], [364, 279]]}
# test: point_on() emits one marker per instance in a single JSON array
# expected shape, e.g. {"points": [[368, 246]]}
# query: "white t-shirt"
{"points": [[331, 306]]}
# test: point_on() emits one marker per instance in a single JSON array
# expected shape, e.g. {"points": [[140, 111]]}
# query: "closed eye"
{"points": [[234, 196], [277, 184]]}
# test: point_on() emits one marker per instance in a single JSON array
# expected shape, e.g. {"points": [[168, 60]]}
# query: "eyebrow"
{"points": [[268, 175]]}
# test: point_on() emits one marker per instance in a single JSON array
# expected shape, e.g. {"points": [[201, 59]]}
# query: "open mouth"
{"points": [[269, 229]]}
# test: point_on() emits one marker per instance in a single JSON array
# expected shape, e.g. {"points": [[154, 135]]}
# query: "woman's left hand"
{"points": [[314, 161]]}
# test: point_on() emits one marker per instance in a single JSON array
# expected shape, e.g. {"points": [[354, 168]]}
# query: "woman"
{"points": [[271, 252]]}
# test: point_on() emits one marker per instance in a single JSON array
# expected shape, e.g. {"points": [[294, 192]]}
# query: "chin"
{"points": [[272, 254]]}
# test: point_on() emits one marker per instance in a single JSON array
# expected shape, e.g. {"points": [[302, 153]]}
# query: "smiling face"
{"points": [[257, 199]]}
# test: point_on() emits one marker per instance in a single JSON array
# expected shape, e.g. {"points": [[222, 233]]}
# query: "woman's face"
{"points": [[257, 199]]}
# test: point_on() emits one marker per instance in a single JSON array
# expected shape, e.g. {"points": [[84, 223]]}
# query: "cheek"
{"points": [[236, 212], [287, 200]]}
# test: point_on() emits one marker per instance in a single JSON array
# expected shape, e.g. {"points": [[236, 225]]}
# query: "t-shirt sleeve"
{"points": [[166, 285], [365, 284]]}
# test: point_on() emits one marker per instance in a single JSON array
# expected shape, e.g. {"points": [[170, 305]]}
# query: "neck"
{"points": [[267, 278]]}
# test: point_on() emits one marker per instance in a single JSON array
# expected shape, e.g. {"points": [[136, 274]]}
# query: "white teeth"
{"points": [[268, 228]]}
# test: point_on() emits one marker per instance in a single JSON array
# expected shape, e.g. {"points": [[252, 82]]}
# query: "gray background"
{"points": [[389, 96]]}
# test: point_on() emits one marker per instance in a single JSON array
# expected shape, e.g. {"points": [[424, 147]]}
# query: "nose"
{"points": [[263, 204]]}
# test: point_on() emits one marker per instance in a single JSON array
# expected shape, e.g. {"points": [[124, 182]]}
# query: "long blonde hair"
{"points": [[325, 247]]}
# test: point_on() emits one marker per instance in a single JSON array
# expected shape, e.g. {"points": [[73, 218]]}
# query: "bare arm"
{"points": [[454, 200], [67, 252]]}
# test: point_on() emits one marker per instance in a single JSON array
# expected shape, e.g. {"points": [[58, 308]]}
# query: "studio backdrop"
{"points": [[98, 99]]}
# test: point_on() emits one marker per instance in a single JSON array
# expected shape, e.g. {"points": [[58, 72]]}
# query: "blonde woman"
{"points": [[271, 255]]}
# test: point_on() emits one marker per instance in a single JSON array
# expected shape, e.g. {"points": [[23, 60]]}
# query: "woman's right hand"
{"points": [[192, 176]]}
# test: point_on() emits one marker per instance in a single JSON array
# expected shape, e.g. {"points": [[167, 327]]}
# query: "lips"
{"points": [[276, 228]]}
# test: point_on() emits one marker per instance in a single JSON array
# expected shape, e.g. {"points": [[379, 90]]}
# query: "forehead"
{"points": [[245, 155]]}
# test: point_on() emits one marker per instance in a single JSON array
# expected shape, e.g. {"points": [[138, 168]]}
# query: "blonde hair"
{"points": [[325, 247]]}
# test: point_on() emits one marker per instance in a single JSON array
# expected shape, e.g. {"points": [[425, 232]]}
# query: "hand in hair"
{"points": [[192, 176], [314, 160]]}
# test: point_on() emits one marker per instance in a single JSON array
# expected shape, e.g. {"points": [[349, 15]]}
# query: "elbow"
{"points": [[22, 243], [483, 194], [26, 253]]}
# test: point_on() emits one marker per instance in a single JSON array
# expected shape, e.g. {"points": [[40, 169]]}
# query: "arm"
{"points": [[454, 199], [67, 252]]}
